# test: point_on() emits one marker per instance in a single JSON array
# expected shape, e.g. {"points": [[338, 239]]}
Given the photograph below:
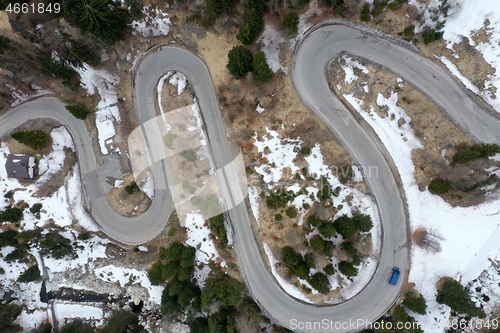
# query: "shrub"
{"points": [[175, 263], [84, 53], [439, 186], [188, 256], [327, 229], [325, 191], [305, 150], [250, 310], [55, 68], [409, 32], [468, 153], [345, 227], [348, 269], [169, 139], [80, 111], [35, 139], [9, 313], [291, 212], [261, 71], [25, 237], [329, 270], [11, 215], [30, 275], [189, 155], [224, 288], [399, 315], [56, 245], [297, 4], [122, 321], [36, 208], [291, 24], [102, 18], [77, 326], [320, 282], [214, 8], [258, 5], [323, 246], [18, 254], [84, 236], [7, 238], [363, 222], [453, 294], [396, 4], [277, 200], [338, 6], [240, 61], [155, 274], [365, 15], [218, 228], [47, 328], [379, 6], [198, 325], [431, 35], [133, 187], [4, 44], [349, 249], [253, 26], [278, 217], [296, 264], [310, 260], [414, 303]]}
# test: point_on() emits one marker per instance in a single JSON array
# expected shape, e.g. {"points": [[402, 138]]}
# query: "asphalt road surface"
{"points": [[310, 63]]}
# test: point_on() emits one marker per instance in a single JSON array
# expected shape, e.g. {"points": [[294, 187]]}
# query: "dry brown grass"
{"points": [[438, 134], [128, 204]]}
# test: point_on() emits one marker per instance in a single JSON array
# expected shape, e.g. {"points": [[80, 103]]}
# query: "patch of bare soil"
{"points": [[437, 133], [171, 100], [128, 204]]}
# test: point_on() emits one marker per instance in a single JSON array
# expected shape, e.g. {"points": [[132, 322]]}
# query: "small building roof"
{"points": [[20, 166]]}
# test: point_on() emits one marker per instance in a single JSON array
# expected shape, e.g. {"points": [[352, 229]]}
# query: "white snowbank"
{"points": [[254, 198], [464, 20], [280, 155], [107, 113], [64, 311], [467, 236], [128, 278], [155, 23]]}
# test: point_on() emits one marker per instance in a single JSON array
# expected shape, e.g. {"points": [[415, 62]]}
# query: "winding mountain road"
{"points": [[310, 63]]}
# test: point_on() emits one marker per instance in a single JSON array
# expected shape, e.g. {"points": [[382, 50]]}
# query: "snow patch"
{"points": [[155, 23], [107, 113]]}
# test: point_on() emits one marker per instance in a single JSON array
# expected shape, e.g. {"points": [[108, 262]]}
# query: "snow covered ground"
{"points": [[280, 154], [468, 237], [464, 20], [89, 269], [155, 23], [107, 113]]}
